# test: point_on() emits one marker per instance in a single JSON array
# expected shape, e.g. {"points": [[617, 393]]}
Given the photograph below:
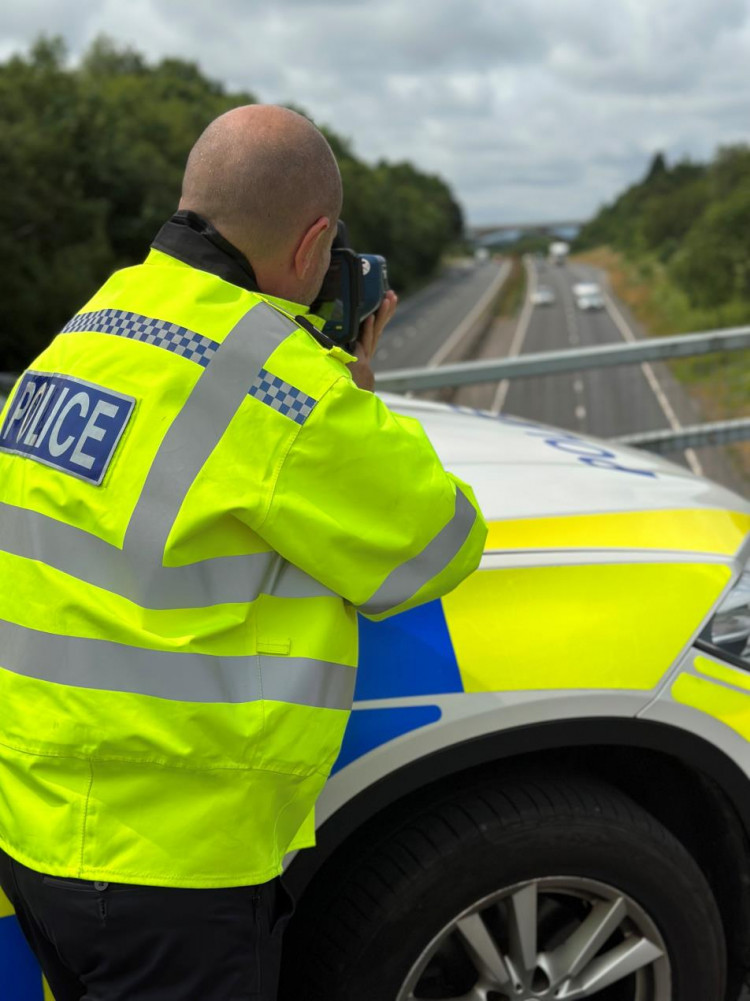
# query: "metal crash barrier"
{"points": [[600, 356]]}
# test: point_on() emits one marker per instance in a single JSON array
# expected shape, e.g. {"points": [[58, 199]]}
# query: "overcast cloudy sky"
{"points": [[530, 109]]}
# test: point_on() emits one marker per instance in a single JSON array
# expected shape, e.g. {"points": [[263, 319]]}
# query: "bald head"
{"points": [[262, 175]]}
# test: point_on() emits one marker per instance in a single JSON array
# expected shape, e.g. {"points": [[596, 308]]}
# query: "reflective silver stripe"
{"points": [[36, 537], [199, 427], [404, 582], [222, 580], [183, 677], [295, 583]]}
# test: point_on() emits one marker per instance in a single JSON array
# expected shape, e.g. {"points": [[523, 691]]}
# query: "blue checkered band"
{"points": [[160, 333], [279, 395]]}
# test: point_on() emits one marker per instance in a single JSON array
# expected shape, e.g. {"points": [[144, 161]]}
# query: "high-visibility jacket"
{"points": [[195, 502]]}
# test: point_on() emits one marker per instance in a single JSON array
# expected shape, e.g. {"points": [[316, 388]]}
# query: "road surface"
{"points": [[603, 402], [425, 321]]}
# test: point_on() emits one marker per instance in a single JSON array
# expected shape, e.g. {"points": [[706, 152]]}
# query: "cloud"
{"points": [[529, 108]]}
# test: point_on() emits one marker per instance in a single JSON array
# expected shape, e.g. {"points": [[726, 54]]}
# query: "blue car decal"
{"points": [[408, 654], [21, 979], [370, 728]]}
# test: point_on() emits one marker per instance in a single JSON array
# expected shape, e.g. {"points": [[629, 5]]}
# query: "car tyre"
{"points": [[429, 906]]}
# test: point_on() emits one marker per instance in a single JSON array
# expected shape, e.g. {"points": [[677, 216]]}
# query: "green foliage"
{"points": [[695, 219], [91, 161], [713, 264]]}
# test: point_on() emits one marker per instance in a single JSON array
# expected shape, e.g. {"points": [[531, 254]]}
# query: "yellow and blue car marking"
{"points": [[497, 630], [20, 979]]}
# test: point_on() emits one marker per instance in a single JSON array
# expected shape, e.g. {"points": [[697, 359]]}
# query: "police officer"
{"points": [[198, 495]]}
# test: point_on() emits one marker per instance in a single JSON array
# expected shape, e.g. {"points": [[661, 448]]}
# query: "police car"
{"points": [[544, 789]]}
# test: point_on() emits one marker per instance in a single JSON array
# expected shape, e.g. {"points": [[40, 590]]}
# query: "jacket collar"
{"points": [[194, 241]]}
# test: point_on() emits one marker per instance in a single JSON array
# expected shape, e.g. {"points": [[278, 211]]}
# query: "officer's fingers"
{"points": [[367, 338], [384, 314], [386, 311], [361, 371]]}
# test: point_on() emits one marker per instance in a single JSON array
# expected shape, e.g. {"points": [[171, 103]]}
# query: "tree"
{"points": [[91, 160], [657, 169], [713, 265]]}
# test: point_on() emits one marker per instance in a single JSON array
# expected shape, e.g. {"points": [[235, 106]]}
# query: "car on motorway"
{"points": [[588, 296], [558, 251], [543, 295], [544, 787]]}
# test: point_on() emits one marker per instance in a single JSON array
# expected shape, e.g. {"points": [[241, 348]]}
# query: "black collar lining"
{"points": [[194, 241]]}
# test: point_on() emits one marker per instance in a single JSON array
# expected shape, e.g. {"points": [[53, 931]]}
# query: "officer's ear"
{"points": [[311, 246]]}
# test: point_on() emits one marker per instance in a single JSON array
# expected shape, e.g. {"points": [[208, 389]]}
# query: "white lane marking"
{"points": [[666, 406], [571, 322], [519, 335], [468, 322], [581, 412]]}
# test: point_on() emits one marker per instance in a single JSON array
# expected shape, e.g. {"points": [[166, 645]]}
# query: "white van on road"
{"points": [[588, 295]]}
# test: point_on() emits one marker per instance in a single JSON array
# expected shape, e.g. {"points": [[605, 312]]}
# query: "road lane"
{"points": [[605, 402], [425, 320]]}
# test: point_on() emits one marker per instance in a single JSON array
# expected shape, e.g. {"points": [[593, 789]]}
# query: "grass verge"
{"points": [[513, 292]]}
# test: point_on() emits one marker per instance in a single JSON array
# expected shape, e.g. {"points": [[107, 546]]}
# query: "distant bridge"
{"points": [[505, 232]]}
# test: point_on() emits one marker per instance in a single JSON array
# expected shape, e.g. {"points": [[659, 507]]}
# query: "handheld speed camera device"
{"points": [[353, 288]]}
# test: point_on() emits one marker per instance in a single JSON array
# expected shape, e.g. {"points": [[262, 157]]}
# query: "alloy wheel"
{"points": [[551, 939]]}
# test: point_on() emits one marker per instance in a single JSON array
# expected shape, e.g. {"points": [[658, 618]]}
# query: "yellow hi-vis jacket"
{"points": [[195, 502]]}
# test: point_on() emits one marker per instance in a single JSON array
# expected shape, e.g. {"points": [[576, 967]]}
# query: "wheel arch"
{"points": [[589, 743]]}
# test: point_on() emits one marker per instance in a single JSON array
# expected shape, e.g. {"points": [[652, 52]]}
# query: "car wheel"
{"points": [[548, 888]]}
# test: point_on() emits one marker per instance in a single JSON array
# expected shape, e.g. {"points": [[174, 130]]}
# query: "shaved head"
{"points": [[262, 175]]}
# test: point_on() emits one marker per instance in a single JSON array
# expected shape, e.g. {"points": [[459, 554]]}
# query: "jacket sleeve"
{"points": [[363, 504]]}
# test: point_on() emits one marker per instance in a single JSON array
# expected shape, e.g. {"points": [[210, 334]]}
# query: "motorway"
{"points": [[424, 322], [601, 402]]}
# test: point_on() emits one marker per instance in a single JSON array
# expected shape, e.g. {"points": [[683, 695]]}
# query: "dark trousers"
{"points": [[119, 942]]}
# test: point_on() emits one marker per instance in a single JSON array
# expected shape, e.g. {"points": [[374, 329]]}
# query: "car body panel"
{"points": [[526, 469], [710, 698], [574, 626], [696, 530]]}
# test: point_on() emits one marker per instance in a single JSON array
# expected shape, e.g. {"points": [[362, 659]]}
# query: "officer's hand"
{"points": [[369, 335]]}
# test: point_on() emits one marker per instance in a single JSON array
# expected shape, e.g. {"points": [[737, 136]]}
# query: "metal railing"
{"points": [[600, 356], [468, 373], [696, 436]]}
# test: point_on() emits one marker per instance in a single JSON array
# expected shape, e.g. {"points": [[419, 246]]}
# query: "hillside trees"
{"points": [[693, 218], [91, 159]]}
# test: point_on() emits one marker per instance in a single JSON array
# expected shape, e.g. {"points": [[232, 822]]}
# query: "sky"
{"points": [[532, 110]]}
